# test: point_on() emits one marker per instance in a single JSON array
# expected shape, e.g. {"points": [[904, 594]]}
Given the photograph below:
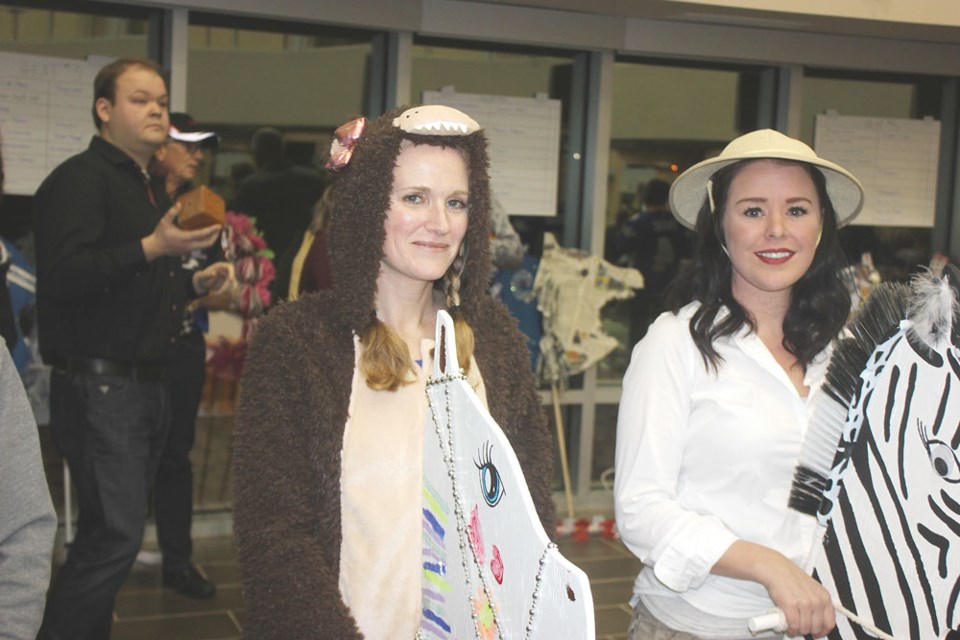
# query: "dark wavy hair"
{"points": [[819, 301]]}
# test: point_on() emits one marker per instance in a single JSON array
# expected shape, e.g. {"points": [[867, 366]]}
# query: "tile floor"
{"points": [[147, 611]]}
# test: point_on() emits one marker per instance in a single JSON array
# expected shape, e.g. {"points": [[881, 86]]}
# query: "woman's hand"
{"points": [[806, 605]]}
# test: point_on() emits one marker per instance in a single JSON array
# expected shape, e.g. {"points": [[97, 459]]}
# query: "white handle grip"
{"points": [[776, 621], [773, 621]]}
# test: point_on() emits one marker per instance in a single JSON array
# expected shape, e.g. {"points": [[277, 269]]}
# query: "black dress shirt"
{"points": [[97, 296]]}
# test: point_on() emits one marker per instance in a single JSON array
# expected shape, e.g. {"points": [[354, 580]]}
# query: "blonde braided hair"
{"points": [[385, 362]]}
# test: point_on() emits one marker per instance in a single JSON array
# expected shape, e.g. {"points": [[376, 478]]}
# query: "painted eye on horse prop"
{"points": [[488, 573], [490, 485]]}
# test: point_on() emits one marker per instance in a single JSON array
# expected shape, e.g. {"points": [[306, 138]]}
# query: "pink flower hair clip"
{"points": [[344, 140]]}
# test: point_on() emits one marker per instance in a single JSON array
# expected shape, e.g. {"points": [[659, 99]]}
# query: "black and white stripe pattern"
{"points": [[891, 549]]}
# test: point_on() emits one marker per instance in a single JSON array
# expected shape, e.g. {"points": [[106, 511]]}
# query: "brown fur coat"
{"points": [[290, 427]]}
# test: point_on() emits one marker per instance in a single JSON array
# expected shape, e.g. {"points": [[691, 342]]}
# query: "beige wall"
{"points": [[520, 76], [132, 46], [318, 88], [934, 12], [874, 99], [246, 78], [673, 103]]}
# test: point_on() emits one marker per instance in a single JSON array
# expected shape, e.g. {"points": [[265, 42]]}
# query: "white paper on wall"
{"points": [[524, 136], [45, 115], [895, 159]]}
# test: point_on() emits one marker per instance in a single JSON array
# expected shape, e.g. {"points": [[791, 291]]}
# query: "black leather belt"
{"points": [[132, 371]]}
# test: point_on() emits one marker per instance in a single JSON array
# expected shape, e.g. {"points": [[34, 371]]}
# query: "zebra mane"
{"points": [[874, 324], [932, 310], [927, 310]]}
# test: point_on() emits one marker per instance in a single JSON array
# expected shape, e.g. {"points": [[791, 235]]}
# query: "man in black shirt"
{"points": [[110, 298]]}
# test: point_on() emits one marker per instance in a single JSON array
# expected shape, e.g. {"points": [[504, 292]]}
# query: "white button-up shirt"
{"points": [[703, 460]]}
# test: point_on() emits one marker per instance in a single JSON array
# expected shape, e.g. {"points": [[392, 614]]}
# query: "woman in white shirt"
{"points": [[716, 399]]}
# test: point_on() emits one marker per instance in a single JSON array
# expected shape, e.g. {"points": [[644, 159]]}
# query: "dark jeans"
{"points": [[173, 493], [111, 430]]}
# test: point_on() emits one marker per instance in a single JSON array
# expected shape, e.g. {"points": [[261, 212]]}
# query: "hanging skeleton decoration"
{"points": [[888, 495], [489, 570]]}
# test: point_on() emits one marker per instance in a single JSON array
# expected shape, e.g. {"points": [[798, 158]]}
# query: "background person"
{"points": [[177, 162], [717, 396], [279, 194], [309, 268], [654, 242], [28, 523], [17, 288], [329, 437], [110, 300], [179, 159]]}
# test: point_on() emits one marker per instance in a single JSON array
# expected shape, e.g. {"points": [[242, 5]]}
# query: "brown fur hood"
{"points": [[361, 198]]}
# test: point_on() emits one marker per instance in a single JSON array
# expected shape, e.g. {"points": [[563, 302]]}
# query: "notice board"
{"points": [[45, 114], [524, 135], [895, 159]]}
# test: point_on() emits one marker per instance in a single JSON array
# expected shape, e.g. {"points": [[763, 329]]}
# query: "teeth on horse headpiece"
{"points": [[436, 120]]}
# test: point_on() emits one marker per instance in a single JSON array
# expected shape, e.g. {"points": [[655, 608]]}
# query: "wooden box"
{"points": [[201, 207]]}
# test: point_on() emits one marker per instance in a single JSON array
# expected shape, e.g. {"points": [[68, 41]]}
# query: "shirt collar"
{"points": [[113, 154]]}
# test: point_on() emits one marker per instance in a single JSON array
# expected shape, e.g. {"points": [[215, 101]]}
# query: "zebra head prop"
{"points": [[891, 507], [489, 570]]}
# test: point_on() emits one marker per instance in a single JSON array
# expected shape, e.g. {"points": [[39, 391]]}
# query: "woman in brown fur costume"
{"points": [[329, 435]]}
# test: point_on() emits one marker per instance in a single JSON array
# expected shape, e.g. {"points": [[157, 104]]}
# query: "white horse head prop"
{"points": [[489, 570]]}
